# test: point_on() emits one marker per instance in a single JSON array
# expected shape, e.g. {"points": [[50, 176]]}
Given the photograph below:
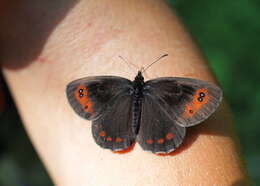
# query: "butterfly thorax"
{"points": [[138, 85]]}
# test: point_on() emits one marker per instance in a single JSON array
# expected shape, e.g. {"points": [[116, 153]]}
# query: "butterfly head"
{"points": [[139, 77]]}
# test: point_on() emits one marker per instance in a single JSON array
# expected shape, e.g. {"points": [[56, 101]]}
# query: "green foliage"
{"points": [[228, 34]]}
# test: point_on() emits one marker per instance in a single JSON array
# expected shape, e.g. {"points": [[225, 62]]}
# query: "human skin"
{"points": [[85, 39]]}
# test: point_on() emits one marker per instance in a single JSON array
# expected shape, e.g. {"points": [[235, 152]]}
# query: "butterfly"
{"points": [[154, 113]]}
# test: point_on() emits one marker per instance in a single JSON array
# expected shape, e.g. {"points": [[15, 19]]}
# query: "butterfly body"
{"points": [[154, 113], [138, 85]]}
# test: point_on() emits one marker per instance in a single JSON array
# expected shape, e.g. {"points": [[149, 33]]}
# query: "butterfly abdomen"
{"points": [[136, 111]]}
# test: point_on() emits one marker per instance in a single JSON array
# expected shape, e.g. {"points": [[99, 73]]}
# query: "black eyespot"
{"points": [[80, 90], [81, 95], [202, 94], [200, 99], [191, 111]]}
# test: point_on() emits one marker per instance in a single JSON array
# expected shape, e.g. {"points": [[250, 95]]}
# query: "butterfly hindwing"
{"points": [[90, 96], [158, 132], [113, 130], [186, 101]]}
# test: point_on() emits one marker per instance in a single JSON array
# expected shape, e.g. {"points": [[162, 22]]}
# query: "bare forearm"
{"points": [[87, 41]]}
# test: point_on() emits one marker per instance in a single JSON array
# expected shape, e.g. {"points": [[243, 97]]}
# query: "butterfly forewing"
{"points": [[90, 96], [186, 101]]}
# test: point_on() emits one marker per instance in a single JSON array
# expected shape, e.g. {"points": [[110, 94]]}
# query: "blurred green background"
{"points": [[228, 34]]}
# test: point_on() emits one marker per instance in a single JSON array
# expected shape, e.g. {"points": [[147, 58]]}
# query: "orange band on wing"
{"points": [[200, 98], [81, 94]]}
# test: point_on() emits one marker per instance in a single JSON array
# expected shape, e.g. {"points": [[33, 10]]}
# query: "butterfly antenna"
{"points": [[154, 62], [127, 63]]}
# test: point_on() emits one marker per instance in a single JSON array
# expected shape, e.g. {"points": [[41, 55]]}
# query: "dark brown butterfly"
{"points": [[154, 113]]}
